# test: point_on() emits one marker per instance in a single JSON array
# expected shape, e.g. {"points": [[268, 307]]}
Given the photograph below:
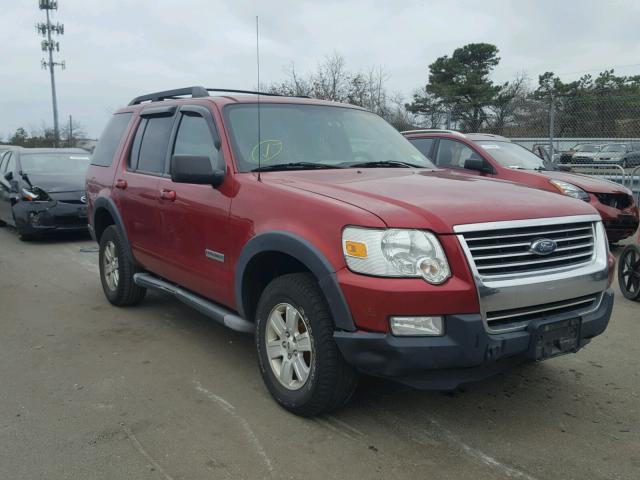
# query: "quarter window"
{"points": [[110, 139]]}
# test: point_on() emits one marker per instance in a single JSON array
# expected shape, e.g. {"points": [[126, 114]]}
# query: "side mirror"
{"points": [[195, 169], [478, 164], [8, 176]]}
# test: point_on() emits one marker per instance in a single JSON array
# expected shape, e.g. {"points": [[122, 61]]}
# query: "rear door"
{"points": [[194, 218], [137, 190]]}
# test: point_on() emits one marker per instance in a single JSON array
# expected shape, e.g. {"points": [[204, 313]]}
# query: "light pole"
{"points": [[49, 45]]}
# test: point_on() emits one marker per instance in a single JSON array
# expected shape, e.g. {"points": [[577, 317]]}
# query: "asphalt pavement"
{"points": [[158, 391]]}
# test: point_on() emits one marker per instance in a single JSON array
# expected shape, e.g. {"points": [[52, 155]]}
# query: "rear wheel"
{"points": [[116, 270], [299, 359], [629, 272]]}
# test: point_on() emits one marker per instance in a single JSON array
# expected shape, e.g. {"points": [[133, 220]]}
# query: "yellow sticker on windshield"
{"points": [[269, 149]]}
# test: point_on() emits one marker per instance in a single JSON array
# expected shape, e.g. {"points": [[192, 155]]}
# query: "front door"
{"points": [[194, 218]]}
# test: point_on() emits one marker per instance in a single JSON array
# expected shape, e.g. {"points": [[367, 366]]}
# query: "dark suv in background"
{"points": [[493, 156]]}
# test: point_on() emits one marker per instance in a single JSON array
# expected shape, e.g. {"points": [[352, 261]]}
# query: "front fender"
{"points": [[308, 255]]}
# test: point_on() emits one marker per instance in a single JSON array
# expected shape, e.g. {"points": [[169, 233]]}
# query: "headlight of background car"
{"points": [[35, 194], [395, 253], [570, 190]]}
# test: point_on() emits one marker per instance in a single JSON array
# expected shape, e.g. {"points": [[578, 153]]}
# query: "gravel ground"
{"points": [[90, 391]]}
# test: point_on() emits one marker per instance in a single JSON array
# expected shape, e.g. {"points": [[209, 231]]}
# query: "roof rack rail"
{"points": [[434, 130], [193, 92], [268, 94], [197, 92]]}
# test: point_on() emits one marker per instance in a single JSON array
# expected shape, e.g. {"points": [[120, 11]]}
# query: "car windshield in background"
{"points": [[512, 155], [614, 147], [587, 148], [316, 136], [54, 163]]}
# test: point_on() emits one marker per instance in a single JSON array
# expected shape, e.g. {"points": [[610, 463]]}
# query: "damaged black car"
{"points": [[42, 190]]}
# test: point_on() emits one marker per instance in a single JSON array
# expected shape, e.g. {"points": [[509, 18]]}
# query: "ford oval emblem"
{"points": [[543, 246]]}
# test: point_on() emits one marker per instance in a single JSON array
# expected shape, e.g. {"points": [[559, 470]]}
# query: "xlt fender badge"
{"points": [[210, 254]]}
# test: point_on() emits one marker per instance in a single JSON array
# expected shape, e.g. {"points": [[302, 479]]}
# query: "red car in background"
{"points": [[493, 156]]}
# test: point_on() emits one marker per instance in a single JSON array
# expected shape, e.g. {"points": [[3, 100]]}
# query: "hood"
{"points": [[585, 154], [585, 182], [438, 201], [608, 155], [58, 183]]}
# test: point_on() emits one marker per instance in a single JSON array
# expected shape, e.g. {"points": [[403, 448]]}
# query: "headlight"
{"points": [[35, 194], [570, 190], [395, 253]]}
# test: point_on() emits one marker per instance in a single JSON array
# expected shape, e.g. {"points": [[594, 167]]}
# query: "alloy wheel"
{"points": [[288, 346], [110, 265]]}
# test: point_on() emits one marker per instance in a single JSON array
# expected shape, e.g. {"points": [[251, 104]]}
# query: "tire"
{"points": [[625, 163], [629, 272], [116, 270], [330, 381]]}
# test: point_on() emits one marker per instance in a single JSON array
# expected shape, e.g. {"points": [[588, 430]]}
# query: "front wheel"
{"points": [[299, 359], [117, 270], [629, 272]]}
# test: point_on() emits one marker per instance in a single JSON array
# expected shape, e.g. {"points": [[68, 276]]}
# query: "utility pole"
{"points": [[70, 136], [49, 45]]}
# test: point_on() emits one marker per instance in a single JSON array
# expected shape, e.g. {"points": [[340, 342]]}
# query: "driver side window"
{"points": [[194, 138], [453, 154]]}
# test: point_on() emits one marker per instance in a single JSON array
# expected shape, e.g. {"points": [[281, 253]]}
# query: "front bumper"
{"points": [[35, 217], [466, 353], [619, 224]]}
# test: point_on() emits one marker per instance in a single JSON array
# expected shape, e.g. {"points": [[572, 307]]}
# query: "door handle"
{"points": [[167, 195], [121, 184]]}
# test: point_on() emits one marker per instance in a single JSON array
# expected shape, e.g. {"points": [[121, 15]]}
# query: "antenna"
{"points": [[258, 89]]}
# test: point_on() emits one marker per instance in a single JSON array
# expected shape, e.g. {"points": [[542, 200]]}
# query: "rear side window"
{"points": [[110, 139], [425, 145], [153, 147]]}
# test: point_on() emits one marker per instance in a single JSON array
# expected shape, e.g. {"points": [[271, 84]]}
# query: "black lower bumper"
{"points": [[39, 217], [466, 353]]}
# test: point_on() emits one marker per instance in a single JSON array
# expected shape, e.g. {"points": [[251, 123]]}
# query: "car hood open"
{"points": [[436, 200]]}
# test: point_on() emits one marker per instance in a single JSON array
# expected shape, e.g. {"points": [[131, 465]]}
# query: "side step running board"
{"points": [[218, 313]]}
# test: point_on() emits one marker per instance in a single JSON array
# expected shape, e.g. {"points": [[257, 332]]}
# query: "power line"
{"points": [[49, 45]]}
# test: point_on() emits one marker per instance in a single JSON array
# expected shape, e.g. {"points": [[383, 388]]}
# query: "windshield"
{"points": [[614, 147], [54, 163], [512, 155], [305, 135], [586, 148]]}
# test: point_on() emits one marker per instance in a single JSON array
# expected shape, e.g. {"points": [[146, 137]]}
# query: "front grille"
{"points": [[518, 317], [506, 251], [615, 200]]}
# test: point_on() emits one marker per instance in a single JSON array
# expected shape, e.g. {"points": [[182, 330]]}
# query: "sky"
{"points": [[115, 50]]}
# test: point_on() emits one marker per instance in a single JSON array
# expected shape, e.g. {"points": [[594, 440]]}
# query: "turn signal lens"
{"points": [[355, 249]]}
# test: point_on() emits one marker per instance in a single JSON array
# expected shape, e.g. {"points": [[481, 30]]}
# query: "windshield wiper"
{"points": [[294, 166], [383, 164]]}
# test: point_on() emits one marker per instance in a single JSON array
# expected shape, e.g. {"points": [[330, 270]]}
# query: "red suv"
{"points": [[318, 227], [493, 156]]}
